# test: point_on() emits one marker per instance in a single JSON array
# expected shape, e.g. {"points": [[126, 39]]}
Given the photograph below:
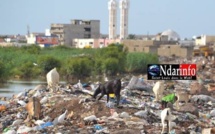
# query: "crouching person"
{"points": [[170, 98]]}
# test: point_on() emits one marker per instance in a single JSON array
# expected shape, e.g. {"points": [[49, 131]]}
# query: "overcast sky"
{"points": [[186, 17]]}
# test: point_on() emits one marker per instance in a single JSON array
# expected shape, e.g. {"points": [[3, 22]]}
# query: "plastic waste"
{"points": [[5, 130], [22, 103], [110, 104], [212, 113], [190, 116], [24, 129], [10, 132], [17, 122], [98, 127], [60, 119], [90, 118], [45, 125], [136, 83], [44, 100], [124, 115], [124, 101], [172, 132], [141, 113]]}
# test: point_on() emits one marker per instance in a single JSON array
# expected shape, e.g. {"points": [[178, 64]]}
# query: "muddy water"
{"points": [[17, 86]]}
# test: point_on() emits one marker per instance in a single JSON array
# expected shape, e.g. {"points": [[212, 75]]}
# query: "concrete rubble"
{"points": [[71, 109]]}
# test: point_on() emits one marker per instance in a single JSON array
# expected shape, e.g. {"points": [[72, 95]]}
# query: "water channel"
{"points": [[17, 86]]}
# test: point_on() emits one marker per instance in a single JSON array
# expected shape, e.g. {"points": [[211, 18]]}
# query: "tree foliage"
{"points": [[47, 63]]}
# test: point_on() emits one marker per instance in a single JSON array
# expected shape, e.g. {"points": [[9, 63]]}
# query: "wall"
{"points": [[94, 43], [177, 50]]}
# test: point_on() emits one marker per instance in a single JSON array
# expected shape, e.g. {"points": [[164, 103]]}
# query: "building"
{"points": [[42, 39], [175, 50], [31, 38], [80, 29], [112, 7], [205, 40], [124, 8], [94, 43], [172, 35]]}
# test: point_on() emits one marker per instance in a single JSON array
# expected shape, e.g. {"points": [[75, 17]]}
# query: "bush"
{"points": [[79, 66], [47, 63], [3, 72], [33, 49], [137, 62], [26, 70], [110, 66]]}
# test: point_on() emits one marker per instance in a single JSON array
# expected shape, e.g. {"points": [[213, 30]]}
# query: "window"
{"points": [[113, 25], [87, 29], [101, 42], [134, 49], [91, 43]]}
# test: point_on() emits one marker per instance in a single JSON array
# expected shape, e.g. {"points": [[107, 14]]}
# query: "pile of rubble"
{"points": [[71, 109]]}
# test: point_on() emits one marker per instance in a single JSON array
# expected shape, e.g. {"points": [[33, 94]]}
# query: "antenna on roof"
{"points": [[28, 30]]}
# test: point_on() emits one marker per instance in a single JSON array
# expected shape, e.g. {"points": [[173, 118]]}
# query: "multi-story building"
{"points": [[77, 29]]}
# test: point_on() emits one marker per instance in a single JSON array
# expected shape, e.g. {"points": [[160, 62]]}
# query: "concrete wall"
{"points": [[94, 43], [169, 50]]}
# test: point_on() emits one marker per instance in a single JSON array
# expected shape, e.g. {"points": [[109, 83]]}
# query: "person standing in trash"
{"points": [[170, 98]]}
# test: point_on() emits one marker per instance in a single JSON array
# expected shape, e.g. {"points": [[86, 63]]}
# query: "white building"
{"points": [[112, 7], [172, 35], [205, 40], [124, 8]]}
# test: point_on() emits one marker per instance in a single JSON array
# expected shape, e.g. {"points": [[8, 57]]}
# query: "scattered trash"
{"points": [[72, 109]]}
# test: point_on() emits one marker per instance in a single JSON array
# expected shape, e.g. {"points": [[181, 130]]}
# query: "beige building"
{"points": [[176, 50], [162, 48], [205, 40]]}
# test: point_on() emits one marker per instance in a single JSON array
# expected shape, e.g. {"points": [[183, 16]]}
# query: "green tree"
{"points": [[131, 36], [47, 63], [79, 66], [111, 66], [26, 70]]}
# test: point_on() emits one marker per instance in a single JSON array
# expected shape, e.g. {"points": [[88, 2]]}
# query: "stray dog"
{"points": [[107, 88]]}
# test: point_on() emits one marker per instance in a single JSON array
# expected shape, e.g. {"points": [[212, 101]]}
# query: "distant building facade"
{"points": [[205, 40], [31, 38], [80, 29], [94, 43]]}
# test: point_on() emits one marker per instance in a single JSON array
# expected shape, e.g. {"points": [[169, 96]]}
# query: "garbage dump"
{"points": [[69, 109]]}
